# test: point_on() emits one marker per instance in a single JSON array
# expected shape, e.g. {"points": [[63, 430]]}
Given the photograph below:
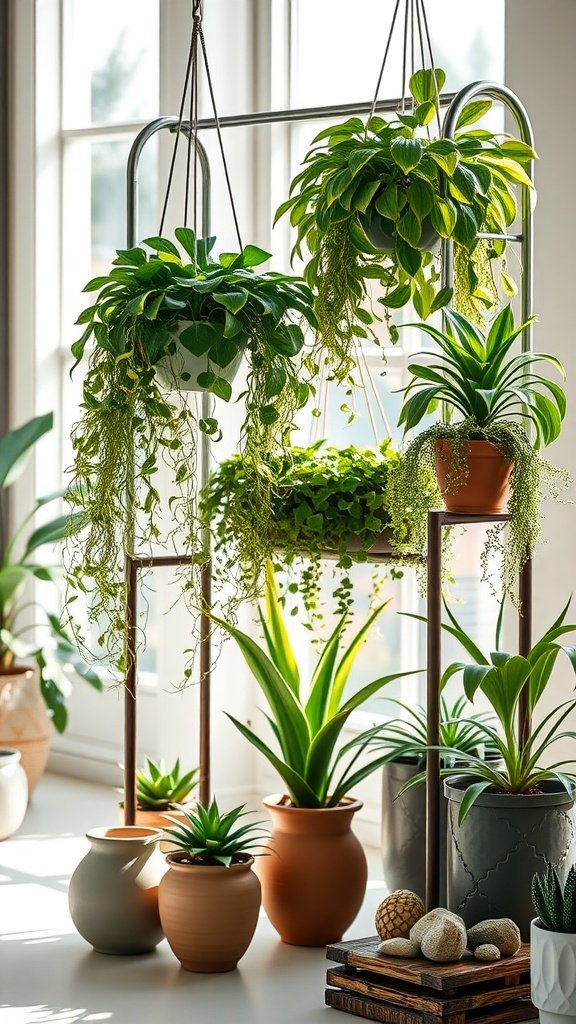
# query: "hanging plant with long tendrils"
{"points": [[164, 324]]}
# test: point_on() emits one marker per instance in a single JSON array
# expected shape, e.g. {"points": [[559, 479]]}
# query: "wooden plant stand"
{"points": [[398, 991]]}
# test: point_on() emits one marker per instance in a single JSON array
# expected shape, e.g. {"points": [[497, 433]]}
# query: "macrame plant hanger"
{"points": [[196, 161]]}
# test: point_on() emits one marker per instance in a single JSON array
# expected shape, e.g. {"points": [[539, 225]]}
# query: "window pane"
{"points": [[111, 61]]}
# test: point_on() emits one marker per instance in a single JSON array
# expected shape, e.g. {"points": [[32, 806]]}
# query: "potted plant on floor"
{"points": [[505, 820], [326, 503], [553, 947], [209, 898], [159, 794], [314, 883], [485, 461], [33, 681], [373, 202], [166, 322]]}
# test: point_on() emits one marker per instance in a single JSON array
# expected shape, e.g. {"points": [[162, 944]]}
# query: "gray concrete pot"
{"points": [[553, 974], [404, 830], [502, 843]]}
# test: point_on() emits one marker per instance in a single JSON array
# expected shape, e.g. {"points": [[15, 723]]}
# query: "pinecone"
{"points": [[397, 913]]}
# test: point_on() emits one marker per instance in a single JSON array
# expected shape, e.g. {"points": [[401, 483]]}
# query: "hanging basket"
{"points": [[381, 232], [180, 370]]}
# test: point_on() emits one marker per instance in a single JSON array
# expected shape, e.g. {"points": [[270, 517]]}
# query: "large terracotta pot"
{"points": [[113, 894], [13, 792], [485, 489], [209, 913], [159, 820], [314, 879], [24, 724]]}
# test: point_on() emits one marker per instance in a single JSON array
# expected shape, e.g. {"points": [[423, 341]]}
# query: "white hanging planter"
{"points": [[180, 372]]}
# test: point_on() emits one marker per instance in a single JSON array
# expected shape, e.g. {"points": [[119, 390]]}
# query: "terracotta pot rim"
{"points": [[136, 834], [482, 448], [16, 670], [8, 754], [347, 804], [160, 810], [174, 861]]}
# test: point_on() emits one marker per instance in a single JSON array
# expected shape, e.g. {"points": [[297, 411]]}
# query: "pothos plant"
{"points": [[473, 375], [375, 199], [325, 500], [150, 312]]}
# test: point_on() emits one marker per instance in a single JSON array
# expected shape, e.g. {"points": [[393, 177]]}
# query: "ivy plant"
{"points": [[375, 199], [147, 309], [325, 501]]}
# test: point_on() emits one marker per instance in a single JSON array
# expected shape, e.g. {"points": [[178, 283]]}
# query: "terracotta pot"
{"points": [[24, 723], [209, 914], [13, 792], [170, 369], [486, 487], [314, 880], [157, 819], [113, 894]]}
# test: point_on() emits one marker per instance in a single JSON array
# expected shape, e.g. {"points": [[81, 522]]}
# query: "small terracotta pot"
{"points": [[159, 820], [486, 487], [113, 893], [209, 914], [314, 879], [24, 723]]}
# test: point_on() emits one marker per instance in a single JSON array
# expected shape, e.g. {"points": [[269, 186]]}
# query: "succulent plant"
{"points": [[212, 838], [554, 904], [157, 789]]}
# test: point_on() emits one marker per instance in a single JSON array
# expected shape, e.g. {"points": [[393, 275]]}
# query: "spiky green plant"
{"points": [[157, 789], [212, 838], [554, 904]]}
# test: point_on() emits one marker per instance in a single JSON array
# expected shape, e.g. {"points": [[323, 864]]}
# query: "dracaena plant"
{"points": [[373, 202], [502, 678], [555, 903], [149, 312], [460, 729], [157, 789], [213, 839], [474, 376], [323, 497], [307, 723], [29, 632]]}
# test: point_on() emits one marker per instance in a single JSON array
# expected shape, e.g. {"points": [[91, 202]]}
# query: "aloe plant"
{"points": [[554, 903], [157, 789], [307, 725], [211, 838]]}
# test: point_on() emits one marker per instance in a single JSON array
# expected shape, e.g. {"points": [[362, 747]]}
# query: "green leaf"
{"points": [[410, 259], [16, 445], [253, 256], [397, 298], [199, 337], [268, 414], [421, 197], [390, 202], [441, 299], [187, 239], [407, 153], [443, 216], [364, 194], [445, 154], [470, 796], [408, 228], [232, 300], [426, 84], [473, 112], [54, 531], [283, 655], [162, 245], [219, 387]]}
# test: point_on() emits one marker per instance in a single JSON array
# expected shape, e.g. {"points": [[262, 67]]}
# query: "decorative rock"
{"points": [[418, 931], [398, 913], [500, 932], [487, 952], [445, 940], [399, 947]]}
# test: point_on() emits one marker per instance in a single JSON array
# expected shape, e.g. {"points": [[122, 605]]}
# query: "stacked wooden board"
{"points": [[398, 991]]}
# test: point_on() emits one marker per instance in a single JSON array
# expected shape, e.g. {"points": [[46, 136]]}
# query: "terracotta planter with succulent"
{"points": [[209, 898], [162, 796], [308, 901]]}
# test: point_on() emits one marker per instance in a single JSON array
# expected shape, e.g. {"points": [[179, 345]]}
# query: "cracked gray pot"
{"points": [[503, 841]]}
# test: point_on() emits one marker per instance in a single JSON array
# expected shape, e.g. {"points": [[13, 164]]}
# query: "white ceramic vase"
{"points": [[553, 974], [113, 894], [13, 792], [24, 724], [170, 369]]}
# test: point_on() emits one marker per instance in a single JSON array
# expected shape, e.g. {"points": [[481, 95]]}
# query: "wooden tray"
{"points": [[398, 991]]}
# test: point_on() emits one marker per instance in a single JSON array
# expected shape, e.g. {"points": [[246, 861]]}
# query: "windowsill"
{"points": [[50, 972]]}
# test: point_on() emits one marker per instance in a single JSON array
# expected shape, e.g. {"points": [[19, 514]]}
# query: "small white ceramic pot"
{"points": [[13, 792], [553, 974], [179, 372], [113, 894]]}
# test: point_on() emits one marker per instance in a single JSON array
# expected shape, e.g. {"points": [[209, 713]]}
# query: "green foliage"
{"points": [[215, 839], [19, 566], [373, 201], [157, 789], [323, 498], [458, 729], [308, 726], [475, 377], [150, 309], [502, 678], [554, 903]]}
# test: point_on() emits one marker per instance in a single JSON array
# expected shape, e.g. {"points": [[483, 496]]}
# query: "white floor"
{"points": [[48, 972]]}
